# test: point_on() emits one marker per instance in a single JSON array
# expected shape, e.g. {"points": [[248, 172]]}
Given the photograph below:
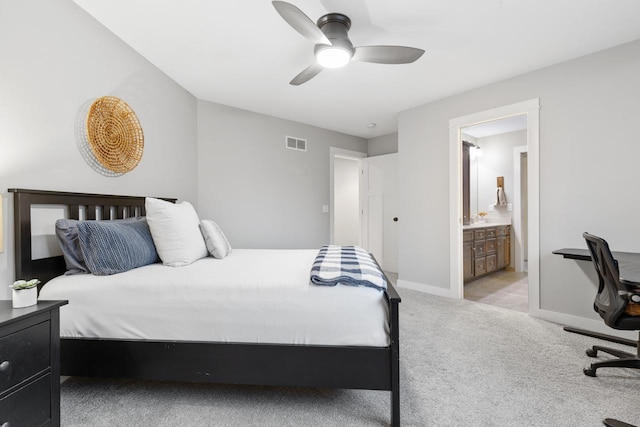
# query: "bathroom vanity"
{"points": [[486, 248]]}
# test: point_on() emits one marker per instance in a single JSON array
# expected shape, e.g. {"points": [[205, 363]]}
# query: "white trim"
{"points": [[364, 203], [518, 262], [1, 225], [455, 211], [533, 203], [343, 154], [428, 289], [531, 109]]}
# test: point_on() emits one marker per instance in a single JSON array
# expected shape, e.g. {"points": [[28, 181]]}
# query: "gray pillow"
{"points": [[217, 243], [111, 247], [67, 234]]}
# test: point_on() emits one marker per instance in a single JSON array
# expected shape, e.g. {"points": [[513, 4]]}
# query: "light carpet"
{"points": [[462, 364]]}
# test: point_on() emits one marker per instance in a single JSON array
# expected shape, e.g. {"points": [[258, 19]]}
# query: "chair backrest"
{"points": [[608, 303]]}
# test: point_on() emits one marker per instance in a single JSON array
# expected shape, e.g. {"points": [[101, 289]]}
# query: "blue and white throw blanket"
{"points": [[348, 265]]}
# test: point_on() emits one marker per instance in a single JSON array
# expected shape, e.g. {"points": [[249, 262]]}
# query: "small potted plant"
{"points": [[482, 214], [25, 293]]}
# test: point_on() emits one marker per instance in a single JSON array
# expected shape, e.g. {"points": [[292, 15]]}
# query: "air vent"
{"points": [[294, 143]]}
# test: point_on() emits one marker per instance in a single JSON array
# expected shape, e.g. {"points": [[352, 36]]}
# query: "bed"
{"points": [[370, 362]]}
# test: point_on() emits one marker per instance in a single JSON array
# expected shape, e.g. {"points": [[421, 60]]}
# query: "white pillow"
{"points": [[175, 232], [216, 241]]}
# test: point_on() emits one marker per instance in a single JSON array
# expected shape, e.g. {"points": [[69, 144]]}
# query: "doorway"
{"points": [[492, 231], [531, 110], [345, 207]]}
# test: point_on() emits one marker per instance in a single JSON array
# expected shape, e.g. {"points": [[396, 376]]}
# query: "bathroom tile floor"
{"points": [[507, 289]]}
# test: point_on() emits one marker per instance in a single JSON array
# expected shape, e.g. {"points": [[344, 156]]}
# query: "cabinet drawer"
{"points": [[467, 236], [24, 354], [491, 263], [503, 231], [490, 233], [478, 249], [480, 266], [479, 234], [490, 246], [29, 405]]}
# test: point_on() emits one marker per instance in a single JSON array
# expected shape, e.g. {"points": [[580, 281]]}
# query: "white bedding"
{"points": [[251, 296]]}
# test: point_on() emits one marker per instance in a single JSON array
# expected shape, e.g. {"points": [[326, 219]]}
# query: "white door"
{"points": [[382, 224]]}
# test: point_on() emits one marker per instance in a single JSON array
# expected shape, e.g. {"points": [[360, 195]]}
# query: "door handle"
{"points": [[395, 219]]}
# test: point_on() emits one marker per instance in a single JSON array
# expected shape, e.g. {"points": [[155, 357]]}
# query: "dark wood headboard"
{"points": [[94, 206]]}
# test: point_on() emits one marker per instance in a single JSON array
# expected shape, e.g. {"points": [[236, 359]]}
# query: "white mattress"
{"points": [[251, 296]]}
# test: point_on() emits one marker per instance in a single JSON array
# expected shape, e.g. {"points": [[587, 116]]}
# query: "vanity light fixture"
{"points": [[475, 151]]}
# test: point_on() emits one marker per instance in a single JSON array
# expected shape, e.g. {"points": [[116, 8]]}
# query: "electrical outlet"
{"points": [[509, 207], [325, 208], [491, 208]]}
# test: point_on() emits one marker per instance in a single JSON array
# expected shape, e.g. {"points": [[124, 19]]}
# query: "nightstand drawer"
{"points": [[24, 354], [28, 406]]}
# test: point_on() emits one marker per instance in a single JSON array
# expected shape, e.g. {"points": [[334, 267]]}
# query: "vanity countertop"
{"points": [[495, 223]]}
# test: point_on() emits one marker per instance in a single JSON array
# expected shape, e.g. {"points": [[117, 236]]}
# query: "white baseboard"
{"points": [[592, 325], [428, 289]]}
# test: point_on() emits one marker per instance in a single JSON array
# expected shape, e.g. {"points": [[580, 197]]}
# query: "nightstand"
{"points": [[30, 364]]}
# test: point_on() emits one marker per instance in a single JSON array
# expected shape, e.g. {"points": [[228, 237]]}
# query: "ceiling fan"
{"points": [[333, 48]]}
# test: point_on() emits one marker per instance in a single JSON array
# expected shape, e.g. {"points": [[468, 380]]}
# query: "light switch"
{"points": [[325, 208]]}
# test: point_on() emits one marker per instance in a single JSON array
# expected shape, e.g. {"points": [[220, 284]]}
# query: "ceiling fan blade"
{"points": [[300, 22], [387, 54], [306, 74]]}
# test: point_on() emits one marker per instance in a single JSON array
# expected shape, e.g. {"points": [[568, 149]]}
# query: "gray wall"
{"points": [[384, 144], [55, 57], [588, 164], [260, 193]]}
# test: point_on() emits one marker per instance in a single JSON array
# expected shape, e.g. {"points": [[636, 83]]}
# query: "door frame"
{"points": [[517, 206], [345, 154], [531, 109]]}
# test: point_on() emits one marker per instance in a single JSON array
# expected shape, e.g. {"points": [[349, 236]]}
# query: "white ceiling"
{"points": [[243, 54]]}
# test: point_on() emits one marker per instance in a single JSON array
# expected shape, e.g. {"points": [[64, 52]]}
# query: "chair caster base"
{"points": [[589, 371], [592, 353]]}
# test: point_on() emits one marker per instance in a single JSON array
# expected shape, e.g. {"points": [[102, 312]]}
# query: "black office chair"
{"points": [[610, 303], [610, 422]]}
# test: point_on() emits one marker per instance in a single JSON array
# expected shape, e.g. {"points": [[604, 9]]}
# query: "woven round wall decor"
{"points": [[111, 139]]}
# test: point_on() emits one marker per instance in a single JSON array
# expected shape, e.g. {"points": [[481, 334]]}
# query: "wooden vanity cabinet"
{"points": [[485, 250], [503, 246], [467, 257]]}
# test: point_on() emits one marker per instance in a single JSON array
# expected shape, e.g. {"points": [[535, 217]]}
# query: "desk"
{"points": [[628, 263], [629, 270]]}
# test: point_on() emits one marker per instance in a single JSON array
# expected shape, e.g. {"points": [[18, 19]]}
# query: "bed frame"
{"points": [[350, 367]]}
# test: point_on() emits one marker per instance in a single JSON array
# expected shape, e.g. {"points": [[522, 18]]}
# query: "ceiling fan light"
{"points": [[333, 57]]}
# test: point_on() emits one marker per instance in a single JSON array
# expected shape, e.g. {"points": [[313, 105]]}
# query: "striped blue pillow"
{"points": [[110, 247]]}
